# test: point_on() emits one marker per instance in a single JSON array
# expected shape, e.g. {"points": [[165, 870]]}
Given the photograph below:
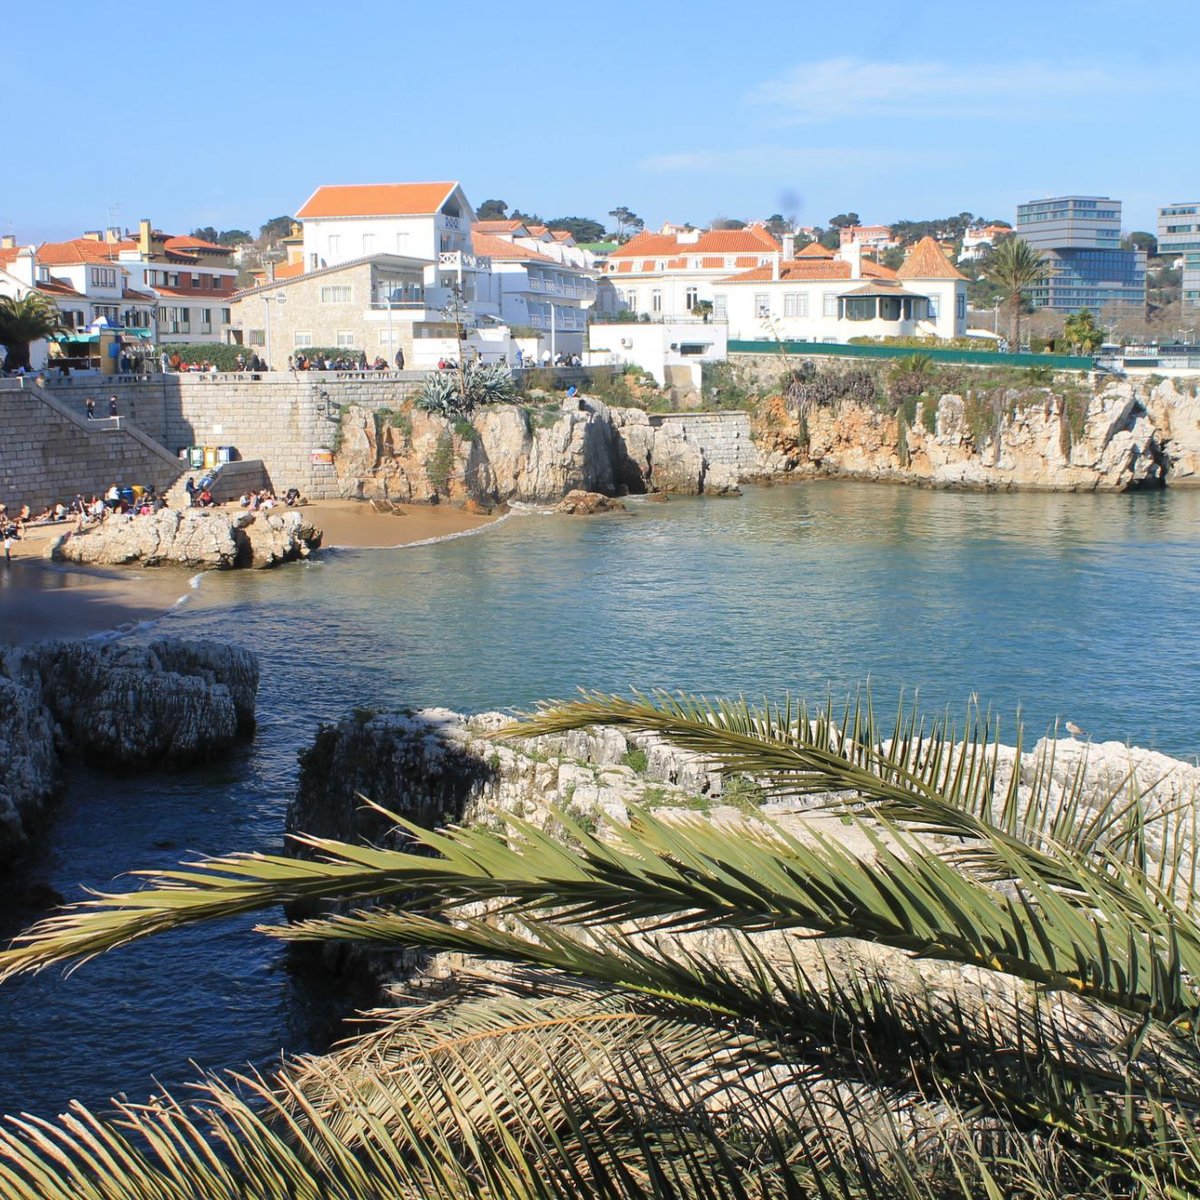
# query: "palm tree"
{"points": [[1082, 333], [946, 982], [1015, 266], [26, 320]]}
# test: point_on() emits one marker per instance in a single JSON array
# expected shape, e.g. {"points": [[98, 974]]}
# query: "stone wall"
{"points": [[50, 451], [724, 438], [280, 418]]}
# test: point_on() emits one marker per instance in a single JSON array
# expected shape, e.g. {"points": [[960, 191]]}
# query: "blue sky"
{"points": [[227, 114]]}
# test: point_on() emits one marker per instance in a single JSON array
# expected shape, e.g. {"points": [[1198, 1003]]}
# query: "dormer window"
{"points": [[43, 274]]}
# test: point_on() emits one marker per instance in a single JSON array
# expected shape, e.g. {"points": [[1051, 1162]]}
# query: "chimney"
{"points": [[852, 253], [144, 237], [775, 266], [789, 246], [25, 266], [112, 235], [93, 235], [8, 241]]}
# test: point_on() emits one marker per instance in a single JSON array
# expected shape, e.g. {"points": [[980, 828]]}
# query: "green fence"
{"points": [[978, 358]]}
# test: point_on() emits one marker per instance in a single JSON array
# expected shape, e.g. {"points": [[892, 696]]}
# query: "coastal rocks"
{"points": [[121, 705], [585, 504], [203, 539], [1009, 441], [1173, 407], [661, 457]]}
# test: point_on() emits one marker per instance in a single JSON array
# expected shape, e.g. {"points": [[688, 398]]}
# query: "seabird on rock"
{"points": [[1074, 730]]}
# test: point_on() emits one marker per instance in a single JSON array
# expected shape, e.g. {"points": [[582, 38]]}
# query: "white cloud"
{"points": [[841, 88]]}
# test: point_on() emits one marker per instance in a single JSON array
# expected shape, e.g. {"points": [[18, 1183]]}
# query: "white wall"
{"points": [[654, 347]]}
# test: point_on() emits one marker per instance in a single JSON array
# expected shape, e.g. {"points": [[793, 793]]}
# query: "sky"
{"points": [[228, 114]]}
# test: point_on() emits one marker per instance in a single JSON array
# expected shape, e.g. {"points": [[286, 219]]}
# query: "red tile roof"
{"points": [[624, 268], [487, 246], [130, 294], [562, 235], [187, 244], [289, 270], [56, 287], [497, 226], [197, 293], [926, 260], [802, 270], [710, 263], [376, 200], [80, 250], [676, 264], [754, 238], [815, 250], [8, 255]]}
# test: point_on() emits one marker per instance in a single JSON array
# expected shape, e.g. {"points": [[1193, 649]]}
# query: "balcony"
{"points": [[456, 260]]}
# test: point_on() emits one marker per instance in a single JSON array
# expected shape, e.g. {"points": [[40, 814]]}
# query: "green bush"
{"points": [[441, 464]]}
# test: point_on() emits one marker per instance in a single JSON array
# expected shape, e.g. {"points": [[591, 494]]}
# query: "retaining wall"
{"points": [[724, 437], [49, 452]]}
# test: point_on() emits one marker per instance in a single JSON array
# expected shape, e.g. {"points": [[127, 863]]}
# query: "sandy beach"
{"points": [[40, 599]]}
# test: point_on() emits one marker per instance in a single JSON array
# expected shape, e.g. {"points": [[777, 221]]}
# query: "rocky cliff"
{"points": [[509, 453], [195, 537], [118, 705]]}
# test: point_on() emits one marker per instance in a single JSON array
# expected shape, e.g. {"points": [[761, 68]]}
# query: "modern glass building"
{"points": [[1080, 238], [1179, 237]]}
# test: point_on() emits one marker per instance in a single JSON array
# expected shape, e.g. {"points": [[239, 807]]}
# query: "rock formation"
{"points": [[510, 453], [122, 705], [197, 538], [586, 504]]}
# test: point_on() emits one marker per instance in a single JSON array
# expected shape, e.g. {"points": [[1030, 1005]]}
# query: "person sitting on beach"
{"points": [[205, 499], [60, 511], [292, 497], [12, 533], [244, 499]]}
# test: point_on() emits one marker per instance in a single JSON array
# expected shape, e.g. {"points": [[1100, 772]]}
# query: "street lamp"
{"points": [[267, 302]]}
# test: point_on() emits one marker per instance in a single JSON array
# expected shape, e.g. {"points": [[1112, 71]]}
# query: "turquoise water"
{"points": [[1083, 607]]}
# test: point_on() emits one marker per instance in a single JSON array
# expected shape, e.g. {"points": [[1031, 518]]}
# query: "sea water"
{"points": [[1076, 607]]}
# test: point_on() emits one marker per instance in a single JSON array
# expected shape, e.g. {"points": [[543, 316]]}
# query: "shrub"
{"points": [[484, 383], [441, 464]]}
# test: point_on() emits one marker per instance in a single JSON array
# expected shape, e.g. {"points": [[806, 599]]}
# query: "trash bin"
{"points": [[126, 494], [224, 454], [210, 456], [196, 457]]}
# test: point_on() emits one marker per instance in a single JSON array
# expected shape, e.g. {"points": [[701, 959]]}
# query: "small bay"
{"points": [[1080, 607]]}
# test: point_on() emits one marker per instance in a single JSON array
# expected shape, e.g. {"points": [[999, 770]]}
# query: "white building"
{"points": [[672, 352], [668, 275], [822, 297], [979, 239]]}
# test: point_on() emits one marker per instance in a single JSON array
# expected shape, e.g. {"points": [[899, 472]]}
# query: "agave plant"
{"points": [[950, 981], [439, 395], [485, 383]]}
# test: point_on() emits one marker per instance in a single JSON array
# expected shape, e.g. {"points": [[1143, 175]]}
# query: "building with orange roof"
{"points": [[870, 237], [812, 297], [670, 274], [979, 239]]}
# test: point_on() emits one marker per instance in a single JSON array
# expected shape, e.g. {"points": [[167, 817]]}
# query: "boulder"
{"points": [[208, 539], [29, 763], [585, 504]]}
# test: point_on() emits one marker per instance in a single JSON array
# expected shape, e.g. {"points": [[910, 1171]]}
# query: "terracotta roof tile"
{"points": [[131, 294], [815, 250], [624, 268], [376, 200], [192, 243], [745, 260], [649, 266], [709, 263], [562, 235], [80, 250], [289, 270], [676, 264], [56, 287], [801, 270], [487, 246], [754, 239], [926, 260], [497, 226], [8, 255]]}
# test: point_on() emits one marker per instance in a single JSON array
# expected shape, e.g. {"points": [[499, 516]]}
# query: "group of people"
{"points": [[548, 360], [90, 405], [89, 510], [263, 499]]}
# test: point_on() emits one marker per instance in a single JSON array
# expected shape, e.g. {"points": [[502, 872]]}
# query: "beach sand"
{"points": [[40, 599]]}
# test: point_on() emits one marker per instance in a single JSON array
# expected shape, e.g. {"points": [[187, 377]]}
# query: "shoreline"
{"points": [[42, 600]]}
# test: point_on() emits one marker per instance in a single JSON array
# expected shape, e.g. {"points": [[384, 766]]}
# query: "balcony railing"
{"points": [[467, 262]]}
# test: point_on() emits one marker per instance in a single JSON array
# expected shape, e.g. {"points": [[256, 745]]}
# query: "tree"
{"points": [[1139, 240], [779, 225], [626, 219], [956, 980], [206, 234], [23, 321], [582, 229], [275, 228], [1082, 333], [726, 223], [1015, 266], [234, 237], [524, 217], [844, 220], [492, 210]]}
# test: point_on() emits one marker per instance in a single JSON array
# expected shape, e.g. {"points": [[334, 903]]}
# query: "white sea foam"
{"points": [[462, 533]]}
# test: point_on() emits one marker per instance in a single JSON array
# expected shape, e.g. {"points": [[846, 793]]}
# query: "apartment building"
{"points": [[1179, 237], [1080, 239]]}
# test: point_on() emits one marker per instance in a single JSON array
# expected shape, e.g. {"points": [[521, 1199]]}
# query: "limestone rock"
{"points": [[29, 765], [165, 703], [577, 503], [196, 538]]}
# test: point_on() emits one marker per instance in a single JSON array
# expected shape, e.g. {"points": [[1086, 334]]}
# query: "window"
{"points": [[631, 299], [829, 304], [933, 308], [345, 337], [719, 307], [960, 306], [197, 281], [313, 262], [795, 304], [105, 277], [216, 280], [860, 308], [762, 304], [226, 316], [300, 340], [335, 244], [368, 244], [256, 337], [335, 295], [206, 316], [691, 298], [656, 300]]}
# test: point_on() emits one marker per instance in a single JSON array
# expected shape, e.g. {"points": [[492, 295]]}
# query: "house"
{"points": [[534, 287], [979, 239], [823, 296], [875, 238], [666, 276]]}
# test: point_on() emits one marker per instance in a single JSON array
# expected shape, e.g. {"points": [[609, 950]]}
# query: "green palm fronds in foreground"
{"points": [[950, 982]]}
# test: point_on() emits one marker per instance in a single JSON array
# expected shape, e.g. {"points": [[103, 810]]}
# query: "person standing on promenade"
{"points": [[90, 405], [112, 406], [400, 359]]}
